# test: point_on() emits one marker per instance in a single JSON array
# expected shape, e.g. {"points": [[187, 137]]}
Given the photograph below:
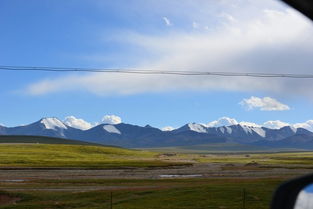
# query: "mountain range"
{"points": [[127, 135]]}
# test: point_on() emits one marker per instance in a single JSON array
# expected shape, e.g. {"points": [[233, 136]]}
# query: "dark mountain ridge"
{"points": [[127, 135]]}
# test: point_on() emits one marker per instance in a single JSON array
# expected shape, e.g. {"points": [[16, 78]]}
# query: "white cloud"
{"points": [[111, 119], [306, 125], [168, 128], [270, 41], [77, 123], [263, 104], [275, 124], [167, 21]]}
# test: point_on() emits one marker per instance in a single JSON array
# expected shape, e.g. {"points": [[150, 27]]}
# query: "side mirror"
{"points": [[294, 194], [303, 6], [305, 198]]}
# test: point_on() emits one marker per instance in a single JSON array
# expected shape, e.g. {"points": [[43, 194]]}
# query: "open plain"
{"points": [[81, 176]]}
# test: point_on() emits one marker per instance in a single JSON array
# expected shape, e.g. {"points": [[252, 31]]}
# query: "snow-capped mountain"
{"points": [[199, 128], [45, 127], [41, 127], [128, 135], [224, 121]]}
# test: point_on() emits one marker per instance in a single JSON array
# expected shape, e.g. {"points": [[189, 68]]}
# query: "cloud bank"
{"points": [[273, 40]]}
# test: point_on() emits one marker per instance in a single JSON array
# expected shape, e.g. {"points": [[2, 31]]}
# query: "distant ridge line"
{"points": [[42, 140]]}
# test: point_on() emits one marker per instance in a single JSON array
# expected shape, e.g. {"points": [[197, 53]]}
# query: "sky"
{"points": [[189, 35]]}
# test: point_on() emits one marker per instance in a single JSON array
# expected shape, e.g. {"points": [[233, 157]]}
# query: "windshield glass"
{"points": [[153, 100]]}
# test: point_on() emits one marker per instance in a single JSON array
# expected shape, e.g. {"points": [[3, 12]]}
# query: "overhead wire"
{"points": [[155, 72]]}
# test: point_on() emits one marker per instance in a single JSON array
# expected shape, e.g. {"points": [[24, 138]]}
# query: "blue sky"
{"points": [[225, 35]]}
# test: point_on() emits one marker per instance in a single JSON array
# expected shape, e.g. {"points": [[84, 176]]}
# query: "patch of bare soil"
{"points": [[253, 163], [7, 199]]}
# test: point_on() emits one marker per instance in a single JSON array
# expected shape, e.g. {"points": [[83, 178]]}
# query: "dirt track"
{"points": [[200, 170], [16, 179]]}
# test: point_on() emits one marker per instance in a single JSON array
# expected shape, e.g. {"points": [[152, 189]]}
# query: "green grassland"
{"points": [[240, 154], [166, 194], [219, 148], [88, 156], [283, 159], [83, 156]]}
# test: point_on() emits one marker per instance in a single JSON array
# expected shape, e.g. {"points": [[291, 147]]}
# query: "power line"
{"points": [[156, 72]]}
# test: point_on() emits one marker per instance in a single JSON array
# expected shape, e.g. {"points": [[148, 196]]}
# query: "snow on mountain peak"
{"points": [[111, 129], [294, 129], [249, 124], [252, 129], [223, 121], [197, 127], [225, 128], [249, 127], [53, 123], [260, 131]]}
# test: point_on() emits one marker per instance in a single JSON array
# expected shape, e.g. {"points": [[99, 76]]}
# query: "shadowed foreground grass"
{"points": [[168, 194]]}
